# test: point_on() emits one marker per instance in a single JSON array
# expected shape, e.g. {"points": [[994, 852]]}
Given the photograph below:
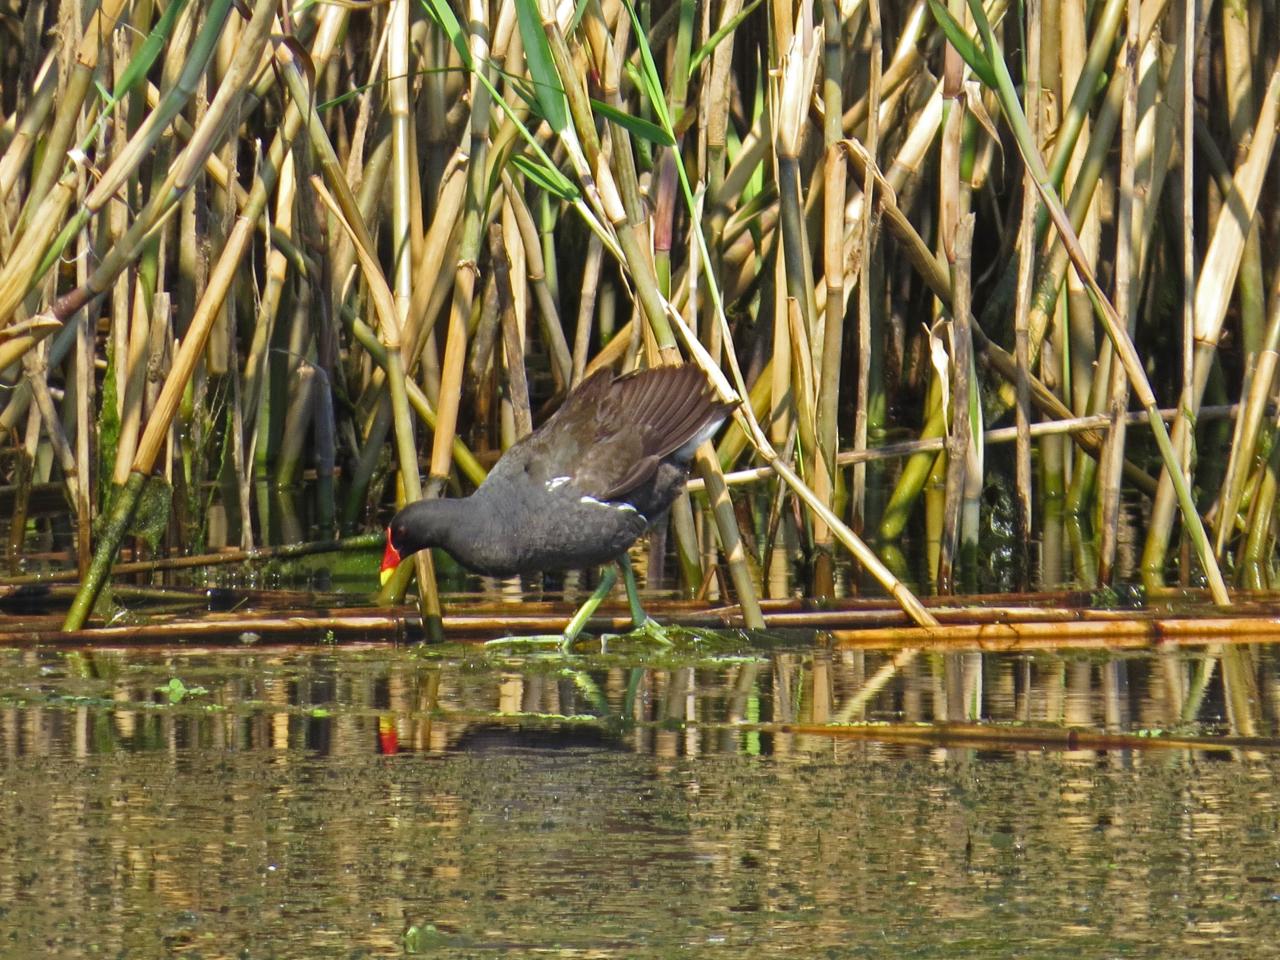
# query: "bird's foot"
{"points": [[649, 630]]}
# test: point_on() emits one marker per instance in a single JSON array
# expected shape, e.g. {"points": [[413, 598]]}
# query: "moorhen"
{"points": [[579, 490]]}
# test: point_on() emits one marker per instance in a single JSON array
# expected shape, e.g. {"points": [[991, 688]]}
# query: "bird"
{"points": [[578, 491]]}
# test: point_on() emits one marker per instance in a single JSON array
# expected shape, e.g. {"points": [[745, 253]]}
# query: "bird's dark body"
{"points": [[581, 488]]}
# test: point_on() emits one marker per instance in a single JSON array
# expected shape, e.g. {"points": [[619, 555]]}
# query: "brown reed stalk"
{"points": [[868, 371], [512, 335], [830, 349]]}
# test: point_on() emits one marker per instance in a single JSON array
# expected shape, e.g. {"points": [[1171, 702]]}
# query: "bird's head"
{"points": [[416, 527]]}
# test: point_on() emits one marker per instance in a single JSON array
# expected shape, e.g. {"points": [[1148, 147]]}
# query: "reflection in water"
{"points": [[326, 803]]}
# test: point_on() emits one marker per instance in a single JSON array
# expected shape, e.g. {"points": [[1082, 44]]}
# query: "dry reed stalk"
{"points": [[830, 348], [1080, 335], [586, 308], [84, 387], [620, 194], [1238, 60], [1190, 278], [406, 451], [552, 330], [71, 95], [512, 336], [998, 637], [33, 115], [393, 315], [867, 328], [403, 236], [1120, 340], [1053, 270], [984, 735], [464, 275], [1127, 260]]}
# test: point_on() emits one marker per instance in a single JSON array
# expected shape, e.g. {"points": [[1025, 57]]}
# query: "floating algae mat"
{"points": [[741, 795]]}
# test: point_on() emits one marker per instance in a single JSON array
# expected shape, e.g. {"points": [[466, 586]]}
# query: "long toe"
{"points": [[537, 640], [653, 631]]}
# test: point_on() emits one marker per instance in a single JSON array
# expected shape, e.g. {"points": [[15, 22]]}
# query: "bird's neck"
{"points": [[469, 528], [449, 521]]}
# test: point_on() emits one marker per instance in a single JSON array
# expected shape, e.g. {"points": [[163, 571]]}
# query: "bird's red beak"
{"points": [[390, 560]]}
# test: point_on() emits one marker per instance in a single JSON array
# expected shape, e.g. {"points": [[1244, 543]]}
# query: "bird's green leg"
{"points": [[607, 579], [579, 620], [638, 616], [641, 622]]}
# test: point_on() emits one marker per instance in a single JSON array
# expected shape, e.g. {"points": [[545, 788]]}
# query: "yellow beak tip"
{"points": [[386, 574]]}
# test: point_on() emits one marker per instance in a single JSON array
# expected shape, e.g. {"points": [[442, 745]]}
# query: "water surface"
{"points": [[323, 802]]}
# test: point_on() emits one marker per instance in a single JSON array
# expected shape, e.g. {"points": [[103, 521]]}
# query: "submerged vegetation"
{"points": [[245, 243]]}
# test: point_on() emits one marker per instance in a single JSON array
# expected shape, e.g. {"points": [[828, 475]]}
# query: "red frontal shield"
{"points": [[390, 557]]}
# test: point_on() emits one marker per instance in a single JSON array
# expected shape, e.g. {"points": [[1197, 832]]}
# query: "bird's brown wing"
{"points": [[612, 433]]}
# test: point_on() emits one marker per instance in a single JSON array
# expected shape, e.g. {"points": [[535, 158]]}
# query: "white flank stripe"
{"points": [[602, 503]]}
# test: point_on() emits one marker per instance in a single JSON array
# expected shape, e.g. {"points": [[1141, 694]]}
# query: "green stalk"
{"points": [[1253, 571], [1026, 256], [1255, 392]]}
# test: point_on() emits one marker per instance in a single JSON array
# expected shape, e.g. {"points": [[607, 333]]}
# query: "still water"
{"points": [[764, 801]]}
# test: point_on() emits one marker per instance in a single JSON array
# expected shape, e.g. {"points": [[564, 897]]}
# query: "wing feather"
{"points": [[611, 433]]}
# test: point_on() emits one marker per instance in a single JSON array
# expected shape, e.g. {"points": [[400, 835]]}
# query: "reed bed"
{"points": [[371, 244]]}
